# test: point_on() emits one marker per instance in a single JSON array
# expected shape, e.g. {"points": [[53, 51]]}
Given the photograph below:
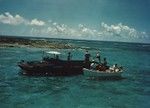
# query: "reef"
{"points": [[10, 41]]}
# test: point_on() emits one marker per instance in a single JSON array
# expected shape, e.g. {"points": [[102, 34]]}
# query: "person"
{"points": [[57, 57], [116, 69], [98, 57], [105, 62], [87, 60], [116, 66], [22, 60], [87, 56], [93, 65], [69, 56]]}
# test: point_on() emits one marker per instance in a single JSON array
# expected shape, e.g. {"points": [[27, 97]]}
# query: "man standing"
{"points": [[87, 60], [87, 56], [98, 57], [105, 62], [69, 56]]}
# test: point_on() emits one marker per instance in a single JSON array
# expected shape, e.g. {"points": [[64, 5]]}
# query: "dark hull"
{"points": [[57, 68]]}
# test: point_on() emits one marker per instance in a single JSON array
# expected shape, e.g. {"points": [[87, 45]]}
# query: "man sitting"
{"points": [[93, 65]]}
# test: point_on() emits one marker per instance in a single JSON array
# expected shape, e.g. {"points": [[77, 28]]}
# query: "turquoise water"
{"points": [[133, 91]]}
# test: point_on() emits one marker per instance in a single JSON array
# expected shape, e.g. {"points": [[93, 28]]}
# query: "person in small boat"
{"points": [[22, 60], [93, 65], [98, 57], [120, 68], [115, 68], [103, 66]]}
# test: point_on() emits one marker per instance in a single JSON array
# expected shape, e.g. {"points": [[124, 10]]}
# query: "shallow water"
{"points": [[78, 91]]}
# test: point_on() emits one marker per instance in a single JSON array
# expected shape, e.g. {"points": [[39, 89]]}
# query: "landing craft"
{"points": [[52, 66]]}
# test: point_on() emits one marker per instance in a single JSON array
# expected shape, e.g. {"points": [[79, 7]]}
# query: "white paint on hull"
{"points": [[96, 73]]}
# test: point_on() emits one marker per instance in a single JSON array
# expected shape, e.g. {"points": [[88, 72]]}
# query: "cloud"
{"points": [[81, 31], [37, 22], [64, 30], [7, 18], [87, 31], [121, 30], [118, 31]]}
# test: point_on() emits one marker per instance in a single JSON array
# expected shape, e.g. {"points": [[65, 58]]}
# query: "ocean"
{"points": [[133, 91]]}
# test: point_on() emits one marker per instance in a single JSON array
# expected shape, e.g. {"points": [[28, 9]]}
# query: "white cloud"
{"points": [[120, 30], [51, 28], [83, 32], [64, 30], [37, 22], [7, 18]]}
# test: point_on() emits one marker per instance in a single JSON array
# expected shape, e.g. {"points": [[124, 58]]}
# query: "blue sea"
{"points": [[133, 91]]}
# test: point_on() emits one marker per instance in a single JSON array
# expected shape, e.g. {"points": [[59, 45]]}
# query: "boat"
{"points": [[108, 73], [52, 66]]}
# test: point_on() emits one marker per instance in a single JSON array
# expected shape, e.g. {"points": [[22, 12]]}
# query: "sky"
{"points": [[107, 20]]}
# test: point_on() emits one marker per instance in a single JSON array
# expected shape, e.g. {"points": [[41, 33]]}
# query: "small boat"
{"points": [[103, 74]]}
